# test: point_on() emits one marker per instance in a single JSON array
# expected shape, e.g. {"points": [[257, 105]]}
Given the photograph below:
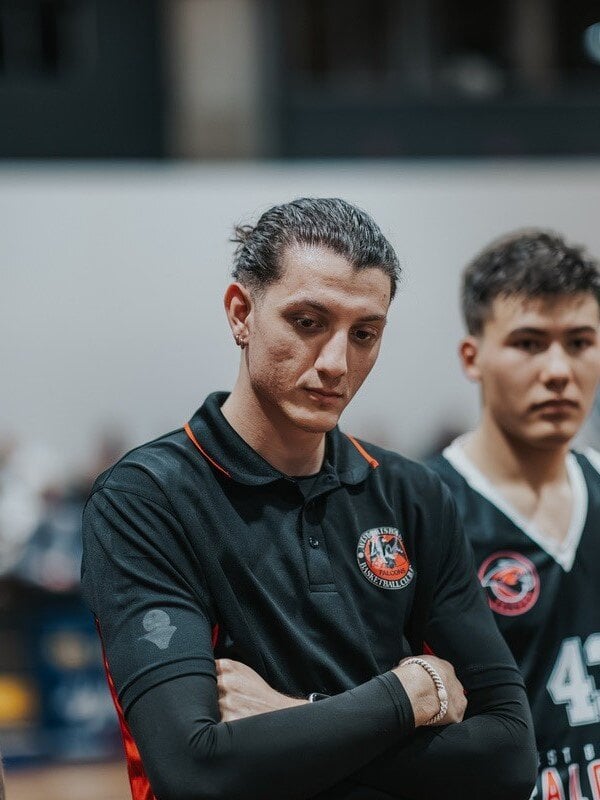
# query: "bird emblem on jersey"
{"points": [[511, 582], [382, 558]]}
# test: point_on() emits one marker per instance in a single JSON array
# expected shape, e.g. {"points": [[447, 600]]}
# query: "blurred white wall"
{"points": [[112, 278]]}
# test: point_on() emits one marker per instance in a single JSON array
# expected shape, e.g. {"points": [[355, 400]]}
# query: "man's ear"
{"points": [[468, 351], [238, 307]]}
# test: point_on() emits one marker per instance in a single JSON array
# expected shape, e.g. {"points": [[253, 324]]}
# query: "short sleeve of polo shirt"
{"points": [[460, 627], [144, 589]]}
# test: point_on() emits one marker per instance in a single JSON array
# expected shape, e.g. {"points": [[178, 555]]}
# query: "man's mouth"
{"points": [[556, 405], [325, 394]]}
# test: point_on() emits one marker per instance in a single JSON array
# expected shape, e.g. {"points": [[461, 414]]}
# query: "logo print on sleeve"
{"points": [[157, 623], [511, 583], [382, 558]]}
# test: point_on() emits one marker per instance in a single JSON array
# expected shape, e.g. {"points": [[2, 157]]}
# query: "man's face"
{"points": [[538, 362], [313, 337]]}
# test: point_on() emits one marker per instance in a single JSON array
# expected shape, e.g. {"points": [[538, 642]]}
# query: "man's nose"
{"points": [[557, 370], [333, 356]]}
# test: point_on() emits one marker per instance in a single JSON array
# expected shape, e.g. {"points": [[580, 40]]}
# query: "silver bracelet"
{"points": [[439, 685]]}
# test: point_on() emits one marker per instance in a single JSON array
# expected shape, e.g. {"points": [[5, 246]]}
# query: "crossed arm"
{"points": [[435, 761], [358, 745], [243, 693]]}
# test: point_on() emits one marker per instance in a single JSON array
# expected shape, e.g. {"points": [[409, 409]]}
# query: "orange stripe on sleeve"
{"points": [[138, 780]]}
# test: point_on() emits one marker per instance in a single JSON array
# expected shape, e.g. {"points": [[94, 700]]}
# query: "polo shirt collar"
{"points": [[226, 449]]}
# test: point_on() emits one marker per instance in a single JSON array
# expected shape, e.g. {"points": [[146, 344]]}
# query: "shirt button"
{"points": [[313, 541]]}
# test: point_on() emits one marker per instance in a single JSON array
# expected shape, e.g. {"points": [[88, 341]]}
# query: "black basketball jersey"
{"points": [[546, 602]]}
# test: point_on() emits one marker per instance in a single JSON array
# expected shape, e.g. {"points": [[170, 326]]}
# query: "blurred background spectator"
{"points": [[133, 135], [53, 700]]}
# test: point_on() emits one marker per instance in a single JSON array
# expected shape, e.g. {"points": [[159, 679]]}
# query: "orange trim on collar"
{"points": [[372, 461], [190, 434]]}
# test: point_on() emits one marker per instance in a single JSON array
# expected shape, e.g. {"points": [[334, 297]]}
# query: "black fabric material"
{"points": [[174, 547], [293, 753], [297, 752], [566, 612]]}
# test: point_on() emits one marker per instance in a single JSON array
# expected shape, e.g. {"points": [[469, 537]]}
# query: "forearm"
{"points": [[490, 755], [293, 753]]}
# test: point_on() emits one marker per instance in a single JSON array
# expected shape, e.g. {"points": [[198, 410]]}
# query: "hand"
{"points": [[243, 693], [423, 695]]}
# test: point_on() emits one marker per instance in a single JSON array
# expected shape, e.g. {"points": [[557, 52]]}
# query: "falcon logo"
{"points": [[511, 583], [382, 558]]}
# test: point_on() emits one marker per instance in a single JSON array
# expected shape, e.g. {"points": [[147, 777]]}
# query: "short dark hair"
{"points": [[326, 221], [531, 263]]}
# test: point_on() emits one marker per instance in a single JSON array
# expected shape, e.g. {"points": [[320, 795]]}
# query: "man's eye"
{"points": [[306, 323], [365, 336], [529, 345], [579, 344]]}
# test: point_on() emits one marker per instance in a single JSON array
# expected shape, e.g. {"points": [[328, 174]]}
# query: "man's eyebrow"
{"points": [[322, 309], [529, 330], [544, 332], [583, 329]]}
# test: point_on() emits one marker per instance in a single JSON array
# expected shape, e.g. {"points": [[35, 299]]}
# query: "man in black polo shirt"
{"points": [[303, 561]]}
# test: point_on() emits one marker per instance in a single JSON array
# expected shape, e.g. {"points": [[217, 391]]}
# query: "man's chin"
{"points": [[553, 437], [317, 422]]}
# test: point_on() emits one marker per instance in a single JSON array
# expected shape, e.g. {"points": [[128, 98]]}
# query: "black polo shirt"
{"points": [[196, 547]]}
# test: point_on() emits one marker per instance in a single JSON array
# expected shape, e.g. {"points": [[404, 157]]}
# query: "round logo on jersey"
{"points": [[382, 558], [511, 583]]}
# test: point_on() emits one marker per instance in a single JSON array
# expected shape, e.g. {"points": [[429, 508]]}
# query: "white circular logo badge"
{"points": [[382, 558]]}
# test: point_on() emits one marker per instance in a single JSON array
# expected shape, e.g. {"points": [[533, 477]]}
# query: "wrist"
{"points": [[290, 702], [425, 690]]}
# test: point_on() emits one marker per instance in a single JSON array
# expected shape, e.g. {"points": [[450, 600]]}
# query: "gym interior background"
{"points": [[132, 137]]}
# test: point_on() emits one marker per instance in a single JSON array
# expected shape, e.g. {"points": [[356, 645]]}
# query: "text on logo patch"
{"points": [[382, 558]]}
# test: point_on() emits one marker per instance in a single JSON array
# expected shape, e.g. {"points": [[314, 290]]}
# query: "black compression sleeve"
{"points": [[294, 753], [488, 756]]}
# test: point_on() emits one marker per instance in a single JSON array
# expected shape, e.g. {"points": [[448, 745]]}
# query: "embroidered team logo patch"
{"points": [[382, 558], [511, 582]]}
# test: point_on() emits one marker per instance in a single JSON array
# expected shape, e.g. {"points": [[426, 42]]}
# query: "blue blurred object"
{"points": [[55, 703], [77, 717]]}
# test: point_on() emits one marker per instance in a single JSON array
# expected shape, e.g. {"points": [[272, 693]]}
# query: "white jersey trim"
{"points": [[563, 553]]}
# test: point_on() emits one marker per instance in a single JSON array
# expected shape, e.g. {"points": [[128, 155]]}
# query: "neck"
{"points": [[506, 459], [290, 450]]}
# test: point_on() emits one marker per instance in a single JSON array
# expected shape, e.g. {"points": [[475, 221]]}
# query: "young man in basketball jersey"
{"points": [[530, 504]]}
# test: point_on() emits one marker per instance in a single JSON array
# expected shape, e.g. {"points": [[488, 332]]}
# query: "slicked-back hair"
{"points": [[311, 221], [530, 263]]}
